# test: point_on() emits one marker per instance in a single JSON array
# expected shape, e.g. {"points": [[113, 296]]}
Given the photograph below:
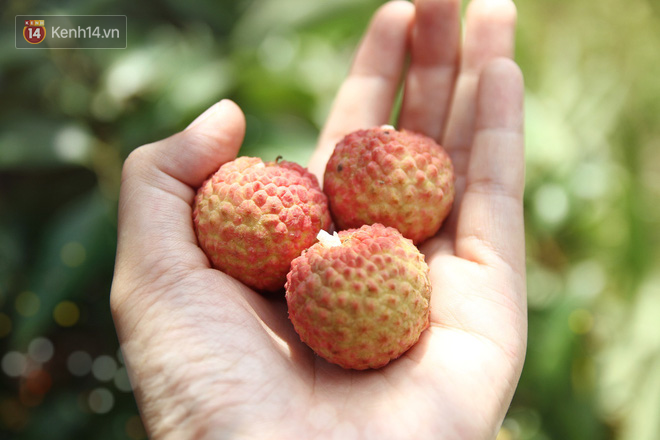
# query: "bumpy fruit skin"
{"points": [[252, 218], [401, 179], [363, 303]]}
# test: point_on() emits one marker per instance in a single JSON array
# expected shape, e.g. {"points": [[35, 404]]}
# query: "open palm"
{"points": [[210, 358]]}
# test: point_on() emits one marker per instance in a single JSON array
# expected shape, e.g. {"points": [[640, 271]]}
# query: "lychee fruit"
{"points": [[252, 218], [401, 179], [360, 299]]}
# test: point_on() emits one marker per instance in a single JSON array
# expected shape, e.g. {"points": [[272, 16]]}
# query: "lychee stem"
{"points": [[328, 240]]}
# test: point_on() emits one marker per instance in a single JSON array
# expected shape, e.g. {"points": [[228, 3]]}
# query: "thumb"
{"points": [[208, 142], [159, 182]]}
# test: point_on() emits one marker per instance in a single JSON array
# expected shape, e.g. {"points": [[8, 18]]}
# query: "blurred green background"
{"points": [[69, 118]]}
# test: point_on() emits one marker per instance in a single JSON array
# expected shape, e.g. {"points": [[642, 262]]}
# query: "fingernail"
{"points": [[201, 118]]}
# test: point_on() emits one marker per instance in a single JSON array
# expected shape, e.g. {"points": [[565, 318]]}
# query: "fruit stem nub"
{"points": [[328, 240]]}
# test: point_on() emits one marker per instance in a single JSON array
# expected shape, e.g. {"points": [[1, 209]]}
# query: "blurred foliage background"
{"points": [[69, 118]]}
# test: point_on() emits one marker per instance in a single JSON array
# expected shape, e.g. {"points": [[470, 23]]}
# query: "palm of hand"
{"points": [[211, 358]]}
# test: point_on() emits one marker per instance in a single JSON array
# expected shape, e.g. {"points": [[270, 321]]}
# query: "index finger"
{"points": [[366, 97], [430, 79]]}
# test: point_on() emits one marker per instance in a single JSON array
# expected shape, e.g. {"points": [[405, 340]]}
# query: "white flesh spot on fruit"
{"points": [[387, 127], [328, 240]]}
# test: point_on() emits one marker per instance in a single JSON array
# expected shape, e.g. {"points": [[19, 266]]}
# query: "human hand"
{"points": [[468, 96], [209, 358]]}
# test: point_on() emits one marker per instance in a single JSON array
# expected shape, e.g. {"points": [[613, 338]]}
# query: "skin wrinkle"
{"points": [[489, 337], [134, 174], [481, 339], [469, 330], [196, 407], [456, 324], [473, 244], [156, 300], [193, 141], [459, 404], [383, 79], [160, 264], [487, 187], [498, 295], [158, 377], [118, 303], [170, 215], [499, 155], [201, 361]]}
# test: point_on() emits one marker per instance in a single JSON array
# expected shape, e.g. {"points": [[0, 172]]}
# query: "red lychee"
{"points": [[360, 299], [252, 218], [401, 179]]}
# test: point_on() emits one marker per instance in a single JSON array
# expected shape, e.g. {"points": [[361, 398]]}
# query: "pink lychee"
{"points": [[252, 218], [360, 299], [401, 179]]}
